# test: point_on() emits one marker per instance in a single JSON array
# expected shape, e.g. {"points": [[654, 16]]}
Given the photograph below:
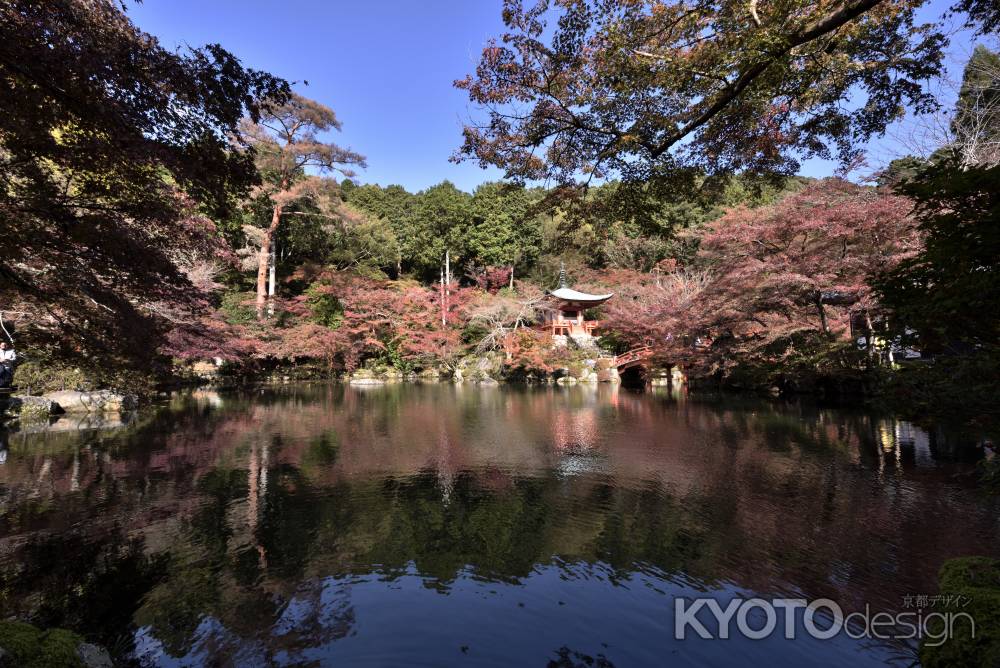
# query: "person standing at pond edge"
{"points": [[7, 359]]}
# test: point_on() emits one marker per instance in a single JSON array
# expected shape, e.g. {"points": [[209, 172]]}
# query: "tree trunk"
{"points": [[869, 336], [264, 261], [822, 313], [272, 270]]}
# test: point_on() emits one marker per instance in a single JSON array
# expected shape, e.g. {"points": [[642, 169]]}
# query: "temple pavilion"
{"points": [[563, 315]]}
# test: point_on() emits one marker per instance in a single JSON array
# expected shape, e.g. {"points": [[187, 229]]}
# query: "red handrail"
{"points": [[633, 355]]}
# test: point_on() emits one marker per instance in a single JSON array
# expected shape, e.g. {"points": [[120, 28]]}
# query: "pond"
{"points": [[455, 525]]}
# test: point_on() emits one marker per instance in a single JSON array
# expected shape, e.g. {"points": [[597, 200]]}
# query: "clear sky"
{"points": [[386, 68]]}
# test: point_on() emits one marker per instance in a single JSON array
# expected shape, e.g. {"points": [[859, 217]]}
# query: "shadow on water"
{"points": [[443, 524], [633, 377]]}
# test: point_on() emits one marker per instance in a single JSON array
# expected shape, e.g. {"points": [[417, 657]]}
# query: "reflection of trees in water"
{"points": [[91, 584], [251, 513]]}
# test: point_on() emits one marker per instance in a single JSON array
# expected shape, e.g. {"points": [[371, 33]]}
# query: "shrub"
{"points": [[36, 377], [237, 308], [31, 647], [977, 580]]}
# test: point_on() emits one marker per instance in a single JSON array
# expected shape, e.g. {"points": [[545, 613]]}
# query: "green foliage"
{"points": [[805, 362], [237, 308], [946, 295], [957, 389], [616, 224], [367, 245], [977, 109], [473, 333], [31, 647], [901, 170], [391, 356], [392, 205], [976, 579], [47, 376], [504, 230], [989, 474], [52, 375], [325, 308], [440, 222]]}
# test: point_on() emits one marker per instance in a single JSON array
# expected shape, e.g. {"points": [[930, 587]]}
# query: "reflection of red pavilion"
{"points": [[564, 307], [575, 430]]}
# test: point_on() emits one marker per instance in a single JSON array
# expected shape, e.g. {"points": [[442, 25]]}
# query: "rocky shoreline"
{"points": [[484, 369], [98, 402]]}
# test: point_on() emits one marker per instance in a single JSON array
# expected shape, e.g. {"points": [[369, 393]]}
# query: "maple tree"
{"points": [[345, 318], [113, 152], [773, 285], [649, 88], [491, 279]]}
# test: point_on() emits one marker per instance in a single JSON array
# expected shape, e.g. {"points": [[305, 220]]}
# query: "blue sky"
{"points": [[385, 66]]}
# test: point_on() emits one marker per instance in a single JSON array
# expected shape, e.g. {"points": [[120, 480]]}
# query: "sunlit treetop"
{"points": [[638, 88]]}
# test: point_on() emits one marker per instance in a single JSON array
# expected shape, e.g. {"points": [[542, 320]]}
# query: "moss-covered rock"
{"points": [[479, 368], [432, 374], [29, 409], [976, 580], [604, 363], [365, 377], [376, 375]]}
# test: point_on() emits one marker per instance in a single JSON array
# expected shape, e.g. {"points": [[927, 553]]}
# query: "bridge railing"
{"points": [[632, 356]]}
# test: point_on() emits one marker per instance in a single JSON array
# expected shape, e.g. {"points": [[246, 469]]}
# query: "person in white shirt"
{"points": [[7, 359]]}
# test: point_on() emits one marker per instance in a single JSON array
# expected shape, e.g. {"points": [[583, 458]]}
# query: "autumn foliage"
{"points": [[775, 285]]}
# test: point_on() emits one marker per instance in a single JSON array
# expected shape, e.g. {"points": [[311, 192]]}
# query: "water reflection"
{"points": [[446, 524]]}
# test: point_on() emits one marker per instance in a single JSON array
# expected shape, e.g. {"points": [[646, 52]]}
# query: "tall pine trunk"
{"points": [[264, 261]]}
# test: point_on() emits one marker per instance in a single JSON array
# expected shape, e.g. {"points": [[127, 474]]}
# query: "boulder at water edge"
{"points": [[29, 408], [100, 401]]}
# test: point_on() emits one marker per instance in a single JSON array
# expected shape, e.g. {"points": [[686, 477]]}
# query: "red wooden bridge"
{"points": [[632, 358]]}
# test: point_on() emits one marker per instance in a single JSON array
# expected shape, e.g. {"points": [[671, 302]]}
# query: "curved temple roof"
{"points": [[570, 295]]}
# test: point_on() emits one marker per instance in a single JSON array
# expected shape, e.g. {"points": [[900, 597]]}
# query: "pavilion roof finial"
{"points": [[562, 275]]}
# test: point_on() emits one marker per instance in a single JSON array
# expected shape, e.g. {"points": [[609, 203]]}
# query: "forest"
{"points": [[164, 209]]}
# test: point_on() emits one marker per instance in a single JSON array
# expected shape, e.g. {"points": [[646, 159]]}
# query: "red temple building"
{"points": [[563, 311]]}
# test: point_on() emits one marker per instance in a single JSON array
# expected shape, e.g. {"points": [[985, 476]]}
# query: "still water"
{"points": [[450, 525]]}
